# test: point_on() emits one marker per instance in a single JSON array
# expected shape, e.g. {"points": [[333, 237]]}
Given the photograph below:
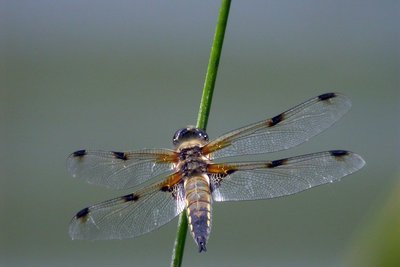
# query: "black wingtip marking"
{"points": [[79, 153], [276, 163], [120, 155], [339, 153], [130, 197], [326, 96], [82, 214], [275, 120]]}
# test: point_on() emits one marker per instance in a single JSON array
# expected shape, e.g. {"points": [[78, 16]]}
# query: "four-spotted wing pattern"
{"points": [[147, 209]]}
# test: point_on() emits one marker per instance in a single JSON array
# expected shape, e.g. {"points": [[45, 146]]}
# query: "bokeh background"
{"points": [[125, 75]]}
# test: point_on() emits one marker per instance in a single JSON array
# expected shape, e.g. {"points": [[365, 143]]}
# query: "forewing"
{"points": [[283, 131], [131, 215], [262, 180], [120, 169]]}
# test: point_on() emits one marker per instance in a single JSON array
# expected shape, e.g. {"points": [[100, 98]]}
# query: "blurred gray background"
{"points": [[125, 75]]}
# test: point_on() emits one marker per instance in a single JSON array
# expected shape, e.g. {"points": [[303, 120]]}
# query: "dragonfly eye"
{"points": [[188, 133]]}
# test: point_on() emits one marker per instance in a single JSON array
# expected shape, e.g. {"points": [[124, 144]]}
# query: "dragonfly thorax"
{"points": [[191, 167], [192, 161], [189, 142]]}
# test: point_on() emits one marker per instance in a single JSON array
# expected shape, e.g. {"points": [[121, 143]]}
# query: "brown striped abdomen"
{"points": [[198, 208]]}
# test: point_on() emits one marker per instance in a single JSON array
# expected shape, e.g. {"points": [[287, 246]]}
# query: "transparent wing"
{"points": [[283, 131], [130, 215], [250, 181], [120, 169]]}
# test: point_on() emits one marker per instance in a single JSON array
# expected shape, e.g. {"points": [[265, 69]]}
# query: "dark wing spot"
{"points": [[130, 197], [326, 96], [79, 153], [82, 215], [230, 171], [275, 120], [165, 188], [276, 163], [120, 155], [339, 153]]}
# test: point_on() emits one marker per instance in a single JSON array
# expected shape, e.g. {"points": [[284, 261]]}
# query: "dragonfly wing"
{"points": [[131, 215], [283, 131], [120, 169], [262, 180]]}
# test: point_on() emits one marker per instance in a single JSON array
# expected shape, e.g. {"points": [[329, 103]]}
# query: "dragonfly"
{"points": [[165, 182]]}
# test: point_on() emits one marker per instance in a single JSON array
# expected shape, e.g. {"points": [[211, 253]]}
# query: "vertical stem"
{"points": [[212, 69], [204, 111]]}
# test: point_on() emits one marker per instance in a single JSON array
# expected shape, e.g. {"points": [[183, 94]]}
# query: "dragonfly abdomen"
{"points": [[198, 208]]}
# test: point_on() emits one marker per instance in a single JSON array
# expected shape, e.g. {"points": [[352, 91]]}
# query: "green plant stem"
{"points": [[204, 111], [212, 69]]}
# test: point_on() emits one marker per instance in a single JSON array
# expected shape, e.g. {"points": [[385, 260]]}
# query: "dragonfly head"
{"points": [[189, 133]]}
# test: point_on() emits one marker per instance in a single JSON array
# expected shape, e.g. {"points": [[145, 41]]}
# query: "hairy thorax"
{"points": [[191, 159]]}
